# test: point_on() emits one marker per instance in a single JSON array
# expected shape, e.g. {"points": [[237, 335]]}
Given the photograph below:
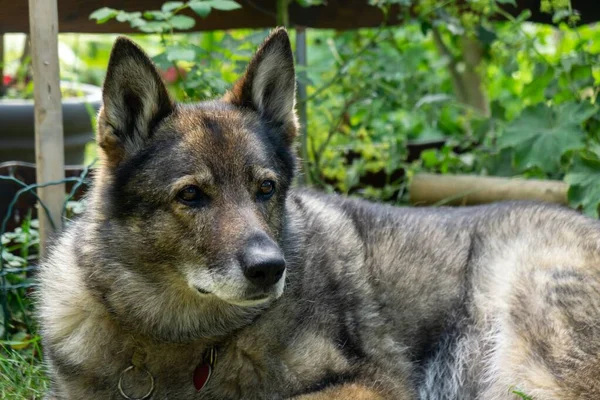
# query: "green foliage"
{"points": [[19, 250], [21, 371], [374, 92], [310, 3], [198, 66], [540, 85], [583, 178], [522, 395], [541, 135], [168, 18]]}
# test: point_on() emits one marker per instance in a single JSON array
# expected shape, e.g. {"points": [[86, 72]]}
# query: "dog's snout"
{"points": [[262, 262]]}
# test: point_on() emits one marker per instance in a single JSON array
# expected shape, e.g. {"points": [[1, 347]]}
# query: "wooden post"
{"points": [[1, 64], [49, 147], [301, 61]]}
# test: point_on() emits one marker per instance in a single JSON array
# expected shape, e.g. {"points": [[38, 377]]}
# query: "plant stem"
{"points": [[283, 15]]}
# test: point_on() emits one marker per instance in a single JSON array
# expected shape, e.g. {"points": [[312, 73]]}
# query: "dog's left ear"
{"points": [[269, 84]]}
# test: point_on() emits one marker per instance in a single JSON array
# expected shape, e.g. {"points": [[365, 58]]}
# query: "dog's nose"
{"points": [[262, 262]]}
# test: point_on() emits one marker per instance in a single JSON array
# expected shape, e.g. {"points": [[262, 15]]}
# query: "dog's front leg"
{"points": [[356, 391], [353, 391]]}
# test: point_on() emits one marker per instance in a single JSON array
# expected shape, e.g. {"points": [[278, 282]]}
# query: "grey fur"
{"points": [[379, 302]]}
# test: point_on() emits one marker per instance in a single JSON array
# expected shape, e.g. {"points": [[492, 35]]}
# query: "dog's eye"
{"points": [[266, 189], [191, 195]]}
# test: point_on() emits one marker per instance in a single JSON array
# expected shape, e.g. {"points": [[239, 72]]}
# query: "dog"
{"points": [[200, 271]]}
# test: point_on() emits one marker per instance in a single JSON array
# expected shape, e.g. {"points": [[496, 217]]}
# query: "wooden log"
{"points": [[431, 189], [49, 148]]}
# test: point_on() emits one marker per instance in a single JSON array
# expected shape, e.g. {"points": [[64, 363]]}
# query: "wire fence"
{"points": [[18, 282]]}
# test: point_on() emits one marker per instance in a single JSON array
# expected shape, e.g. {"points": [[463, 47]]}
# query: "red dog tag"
{"points": [[202, 376], [203, 371]]}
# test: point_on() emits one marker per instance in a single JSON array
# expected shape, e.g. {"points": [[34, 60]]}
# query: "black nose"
{"points": [[262, 262]]}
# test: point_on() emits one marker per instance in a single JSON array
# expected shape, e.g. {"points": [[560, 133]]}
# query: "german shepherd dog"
{"points": [[199, 272]]}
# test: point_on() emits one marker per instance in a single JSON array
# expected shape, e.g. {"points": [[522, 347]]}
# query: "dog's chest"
{"points": [[252, 367]]}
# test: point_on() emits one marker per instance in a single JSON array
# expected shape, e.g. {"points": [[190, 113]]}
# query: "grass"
{"points": [[22, 374], [522, 395]]}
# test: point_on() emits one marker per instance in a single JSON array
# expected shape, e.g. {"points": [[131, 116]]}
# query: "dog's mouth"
{"points": [[254, 298], [247, 300], [260, 296]]}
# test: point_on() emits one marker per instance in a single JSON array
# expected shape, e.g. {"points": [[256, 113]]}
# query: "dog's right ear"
{"points": [[135, 101], [269, 84]]}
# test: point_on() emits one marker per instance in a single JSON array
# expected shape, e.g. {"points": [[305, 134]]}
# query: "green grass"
{"points": [[522, 395], [22, 373]]}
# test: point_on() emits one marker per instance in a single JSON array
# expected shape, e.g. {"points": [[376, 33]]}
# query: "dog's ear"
{"points": [[135, 101], [269, 84]]}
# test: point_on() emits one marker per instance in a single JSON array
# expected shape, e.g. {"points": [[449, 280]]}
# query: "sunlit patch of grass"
{"points": [[21, 372]]}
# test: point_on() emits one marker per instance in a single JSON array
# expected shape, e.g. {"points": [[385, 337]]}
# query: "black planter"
{"points": [[17, 125]]}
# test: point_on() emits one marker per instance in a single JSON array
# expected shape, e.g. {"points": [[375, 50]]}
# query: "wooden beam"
{"points": [[431, 189], [74, 15], [49, 148], [335, 14]]}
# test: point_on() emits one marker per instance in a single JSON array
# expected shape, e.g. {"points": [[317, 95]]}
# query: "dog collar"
{"points": [[203, 371], [137, 367]]}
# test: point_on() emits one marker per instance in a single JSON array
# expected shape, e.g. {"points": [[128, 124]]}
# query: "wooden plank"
{"points": [[49, 147], [336, 14]]}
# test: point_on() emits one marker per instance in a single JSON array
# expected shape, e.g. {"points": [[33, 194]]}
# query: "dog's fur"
{"points": [[379, 302]]}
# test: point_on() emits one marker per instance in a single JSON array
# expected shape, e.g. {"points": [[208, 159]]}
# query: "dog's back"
{"points": [[487, 299]]}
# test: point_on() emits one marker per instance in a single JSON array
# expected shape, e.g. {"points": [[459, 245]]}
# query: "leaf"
{"points": [[541, 135], [128, 16], [425, 27], [171, 5], [511, 2], [19, 341], [310, 3], [561, 15], [157, 15], [103, 14], [522, 395], [180, 54], [581, 72], [535, 90], [224, 5], [182, 22], [485, 35], [583, 178], [154, 27], [200, 8], [524, 16], [432, 98], [138, 22]]}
